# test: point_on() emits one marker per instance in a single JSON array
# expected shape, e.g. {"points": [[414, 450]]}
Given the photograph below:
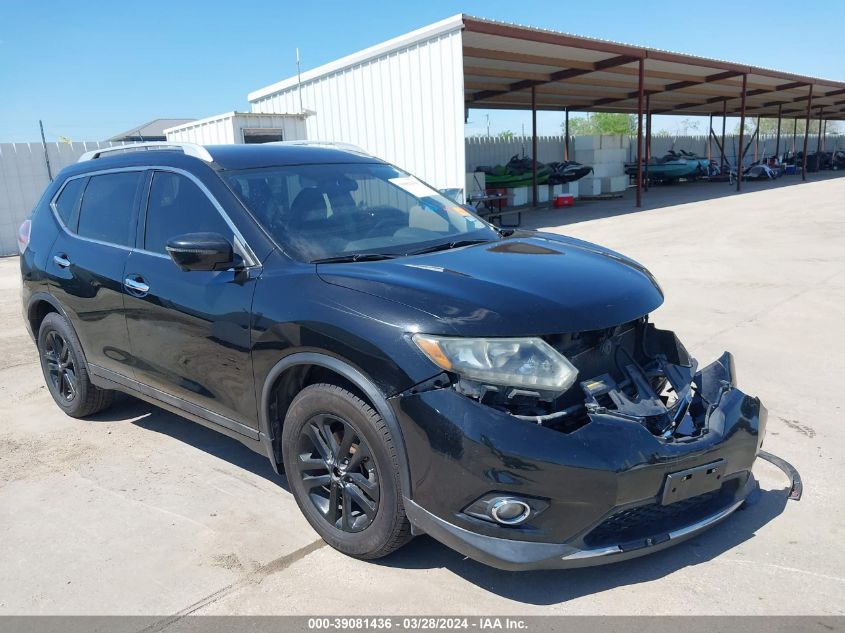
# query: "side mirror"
{"points": [[201, 251]]}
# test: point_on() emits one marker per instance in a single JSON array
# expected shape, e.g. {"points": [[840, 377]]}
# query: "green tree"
{"points": [[580, 126], [603, 123], [608, 123], [505, 135]]}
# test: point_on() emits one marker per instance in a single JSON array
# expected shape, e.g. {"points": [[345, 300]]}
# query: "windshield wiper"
{"points": [[353, 257], [445, 246]]}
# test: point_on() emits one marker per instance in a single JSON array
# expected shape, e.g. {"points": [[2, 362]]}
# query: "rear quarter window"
{"points": [[67, 204], [107, 207]]}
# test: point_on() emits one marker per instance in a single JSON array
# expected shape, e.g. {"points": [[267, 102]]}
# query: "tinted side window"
{"points": [[106, 211], [67, 204], [177, 206]]}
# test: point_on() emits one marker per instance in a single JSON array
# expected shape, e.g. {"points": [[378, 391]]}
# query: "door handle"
{"points": [[61, 261], [136, 285]]}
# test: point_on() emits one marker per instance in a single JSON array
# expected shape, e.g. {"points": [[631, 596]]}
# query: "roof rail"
{"points": [[349, 147], [189, 149]]}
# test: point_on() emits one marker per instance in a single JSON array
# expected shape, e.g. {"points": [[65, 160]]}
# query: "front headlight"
{"points": [[513, 362]]}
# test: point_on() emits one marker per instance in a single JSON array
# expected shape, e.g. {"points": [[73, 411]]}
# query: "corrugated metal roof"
{"points": [[504, 62], [226, 115], [639, 46], [151, 129]]}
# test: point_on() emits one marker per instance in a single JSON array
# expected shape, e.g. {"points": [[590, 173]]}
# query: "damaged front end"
{"points": [[640, 451], [633, 372]]}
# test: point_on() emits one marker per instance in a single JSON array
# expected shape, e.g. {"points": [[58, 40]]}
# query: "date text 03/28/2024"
{"points": [[485, 623]]}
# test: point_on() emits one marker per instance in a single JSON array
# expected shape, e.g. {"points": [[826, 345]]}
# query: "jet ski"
{"points": [[668, 168], [755, 171], [517, 173], [760, 172], [703, 162], [777, 168], [567, 171]]}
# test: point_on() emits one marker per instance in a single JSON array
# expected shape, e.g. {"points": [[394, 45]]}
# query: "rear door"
{"points": [[190, 331], [98, 214]]}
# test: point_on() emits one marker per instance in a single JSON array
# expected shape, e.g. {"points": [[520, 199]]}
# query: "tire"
{"points": [[334, 476], [65, 371]]}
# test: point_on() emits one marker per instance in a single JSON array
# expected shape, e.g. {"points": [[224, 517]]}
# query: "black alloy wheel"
{"points": [[60, 366], [65, 371], [343, 468], [338, 472]]}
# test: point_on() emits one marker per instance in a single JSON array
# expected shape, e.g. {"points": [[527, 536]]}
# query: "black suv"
{"points": [[411, 367]]}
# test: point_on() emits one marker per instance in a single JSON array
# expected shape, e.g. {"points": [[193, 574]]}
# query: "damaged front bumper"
{"points": [[610, 490]]}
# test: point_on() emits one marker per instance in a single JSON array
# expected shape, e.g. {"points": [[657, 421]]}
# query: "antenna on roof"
{"points": [[299, 82]]}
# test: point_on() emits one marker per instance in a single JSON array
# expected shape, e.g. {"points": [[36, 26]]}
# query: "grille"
{"points": [[654, 519]]}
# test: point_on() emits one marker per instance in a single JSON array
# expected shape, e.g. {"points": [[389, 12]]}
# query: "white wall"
{"points": [[495, 151], [227, 129], [765, 145], [23, 178], [404, 105]]}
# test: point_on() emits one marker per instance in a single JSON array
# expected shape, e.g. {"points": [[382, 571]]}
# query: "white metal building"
{"points": [[401, 100], [241, 127]]}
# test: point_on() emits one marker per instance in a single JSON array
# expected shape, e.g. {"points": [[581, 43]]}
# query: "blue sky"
{"points": [[93, 69]]}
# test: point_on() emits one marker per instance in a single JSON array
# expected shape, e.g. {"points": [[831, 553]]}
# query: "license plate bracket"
{"points": [[693, 482]]}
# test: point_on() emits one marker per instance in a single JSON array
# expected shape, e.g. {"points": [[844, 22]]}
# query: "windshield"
{"points": [[359, 209]]}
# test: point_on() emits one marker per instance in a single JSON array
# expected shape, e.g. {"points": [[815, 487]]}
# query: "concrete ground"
{"points": [[142, 512]]}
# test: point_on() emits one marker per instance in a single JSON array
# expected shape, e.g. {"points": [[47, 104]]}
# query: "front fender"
{"points": [[354, 376]]}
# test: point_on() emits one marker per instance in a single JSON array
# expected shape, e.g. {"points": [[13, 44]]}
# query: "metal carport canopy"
{"points": [[502, 62]]}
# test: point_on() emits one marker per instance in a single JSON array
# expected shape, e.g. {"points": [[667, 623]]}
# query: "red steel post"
{"points": [[724, 123], [534, 194], [806, 134], [740, 157], [640, 134]]}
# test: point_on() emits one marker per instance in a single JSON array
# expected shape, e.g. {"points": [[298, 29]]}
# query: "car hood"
{"points": [[526, 284]]}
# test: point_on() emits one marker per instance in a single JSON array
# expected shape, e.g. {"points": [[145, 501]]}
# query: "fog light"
{"points": [[505, 509], [509, 511]]}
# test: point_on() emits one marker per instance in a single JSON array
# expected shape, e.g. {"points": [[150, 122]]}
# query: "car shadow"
{"points": [[152, 418], [548, 587], [534, 587]]}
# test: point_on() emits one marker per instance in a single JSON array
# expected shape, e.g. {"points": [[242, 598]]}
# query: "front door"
{"points": [[190, 331], [87, 262]]}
